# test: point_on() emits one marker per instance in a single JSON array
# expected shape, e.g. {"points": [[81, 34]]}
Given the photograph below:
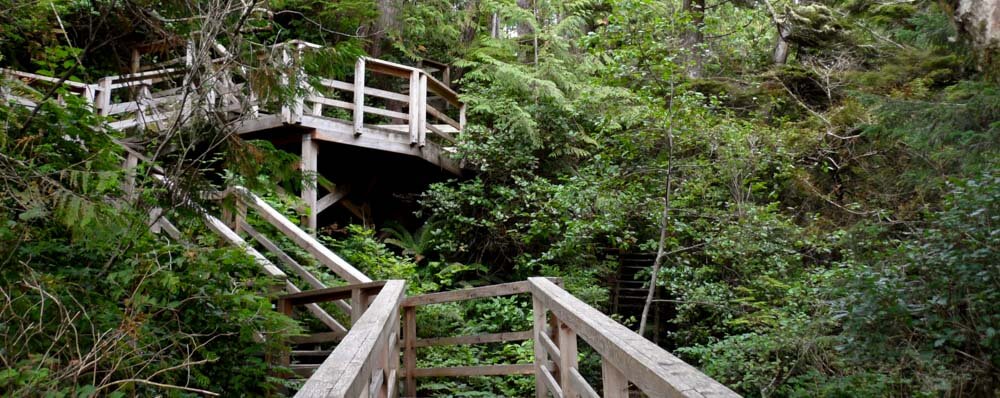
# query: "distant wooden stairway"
{"points": [[366, 359]]}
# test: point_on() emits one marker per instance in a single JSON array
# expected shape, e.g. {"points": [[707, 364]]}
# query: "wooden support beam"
{"points": [[310, 153], [330, 199]]}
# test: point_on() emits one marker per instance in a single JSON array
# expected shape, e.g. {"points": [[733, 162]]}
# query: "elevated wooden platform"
{"points": [[366, 360]]}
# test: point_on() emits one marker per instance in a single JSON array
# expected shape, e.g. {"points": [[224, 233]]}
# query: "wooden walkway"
{"points": [[382, 331]]}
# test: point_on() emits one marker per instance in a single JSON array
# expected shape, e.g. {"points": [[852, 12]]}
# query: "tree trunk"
{"points": [[694, 37], [664, 218], [781, 45]]}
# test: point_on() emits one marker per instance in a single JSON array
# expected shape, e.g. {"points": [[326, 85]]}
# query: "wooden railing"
{"points": [[559, 319], [416, 121], [165, 92], [410, 341], [366, 362], [626, 357]]}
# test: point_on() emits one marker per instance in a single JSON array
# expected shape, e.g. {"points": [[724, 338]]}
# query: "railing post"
{"points": [[615, 382], [104, 96], [414, 107], [538, 312], [359, 95], [422, 112], [310, 150], [461, 119], [409, 351], [568, 360]]}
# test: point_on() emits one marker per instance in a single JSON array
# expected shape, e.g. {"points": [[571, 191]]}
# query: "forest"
{"points": [[805, 194]]}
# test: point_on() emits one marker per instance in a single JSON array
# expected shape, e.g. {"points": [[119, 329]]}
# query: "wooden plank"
{"points": [[347, 371], [319, 338], [505, 289], [299, 270], [331, 293], [409, 351], [550, 347], [311, 353], [386, 113], [615, 382], [359, 95], [339, 192], [538, 331], [318, 311], [474, 339], [654, 370], [442, 90], [442, 117], [567, 360], [580, 385], [304, 240], [389, 95], [303, 369], [441, 133], [337, 84], [550, 382], [331, 102], [482, 370]]}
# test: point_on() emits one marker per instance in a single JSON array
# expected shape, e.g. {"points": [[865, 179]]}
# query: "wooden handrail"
{"points": [[627, 356], [366, 362]]}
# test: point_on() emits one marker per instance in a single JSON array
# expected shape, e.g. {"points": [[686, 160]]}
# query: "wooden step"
{"points": [[311, 353], [303, 370]]}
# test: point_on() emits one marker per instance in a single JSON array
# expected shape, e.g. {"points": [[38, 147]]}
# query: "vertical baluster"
{"points": [[422, 111], [310, 152], [461, 119], [410, 352], [414, 107], [538, 312], [104, 97], [615, 382], [359, 95], [568, 360]]}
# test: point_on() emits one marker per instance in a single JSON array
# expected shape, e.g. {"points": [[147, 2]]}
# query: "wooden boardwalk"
{"points": [[382, 333]]}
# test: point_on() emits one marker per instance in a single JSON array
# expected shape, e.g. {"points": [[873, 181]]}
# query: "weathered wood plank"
{"points": [[318, 338], [550, 382], [505, 289], [304, 240], [482, 370], [309, 167], [474, 339], [331, 293], [580, 385], [654, 370]]}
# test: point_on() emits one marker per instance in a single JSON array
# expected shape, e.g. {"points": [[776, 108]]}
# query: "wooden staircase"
{"points": [[362, 359]]}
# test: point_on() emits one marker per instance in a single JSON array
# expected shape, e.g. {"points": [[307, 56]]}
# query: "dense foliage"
{"points": [[828, 213]]}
